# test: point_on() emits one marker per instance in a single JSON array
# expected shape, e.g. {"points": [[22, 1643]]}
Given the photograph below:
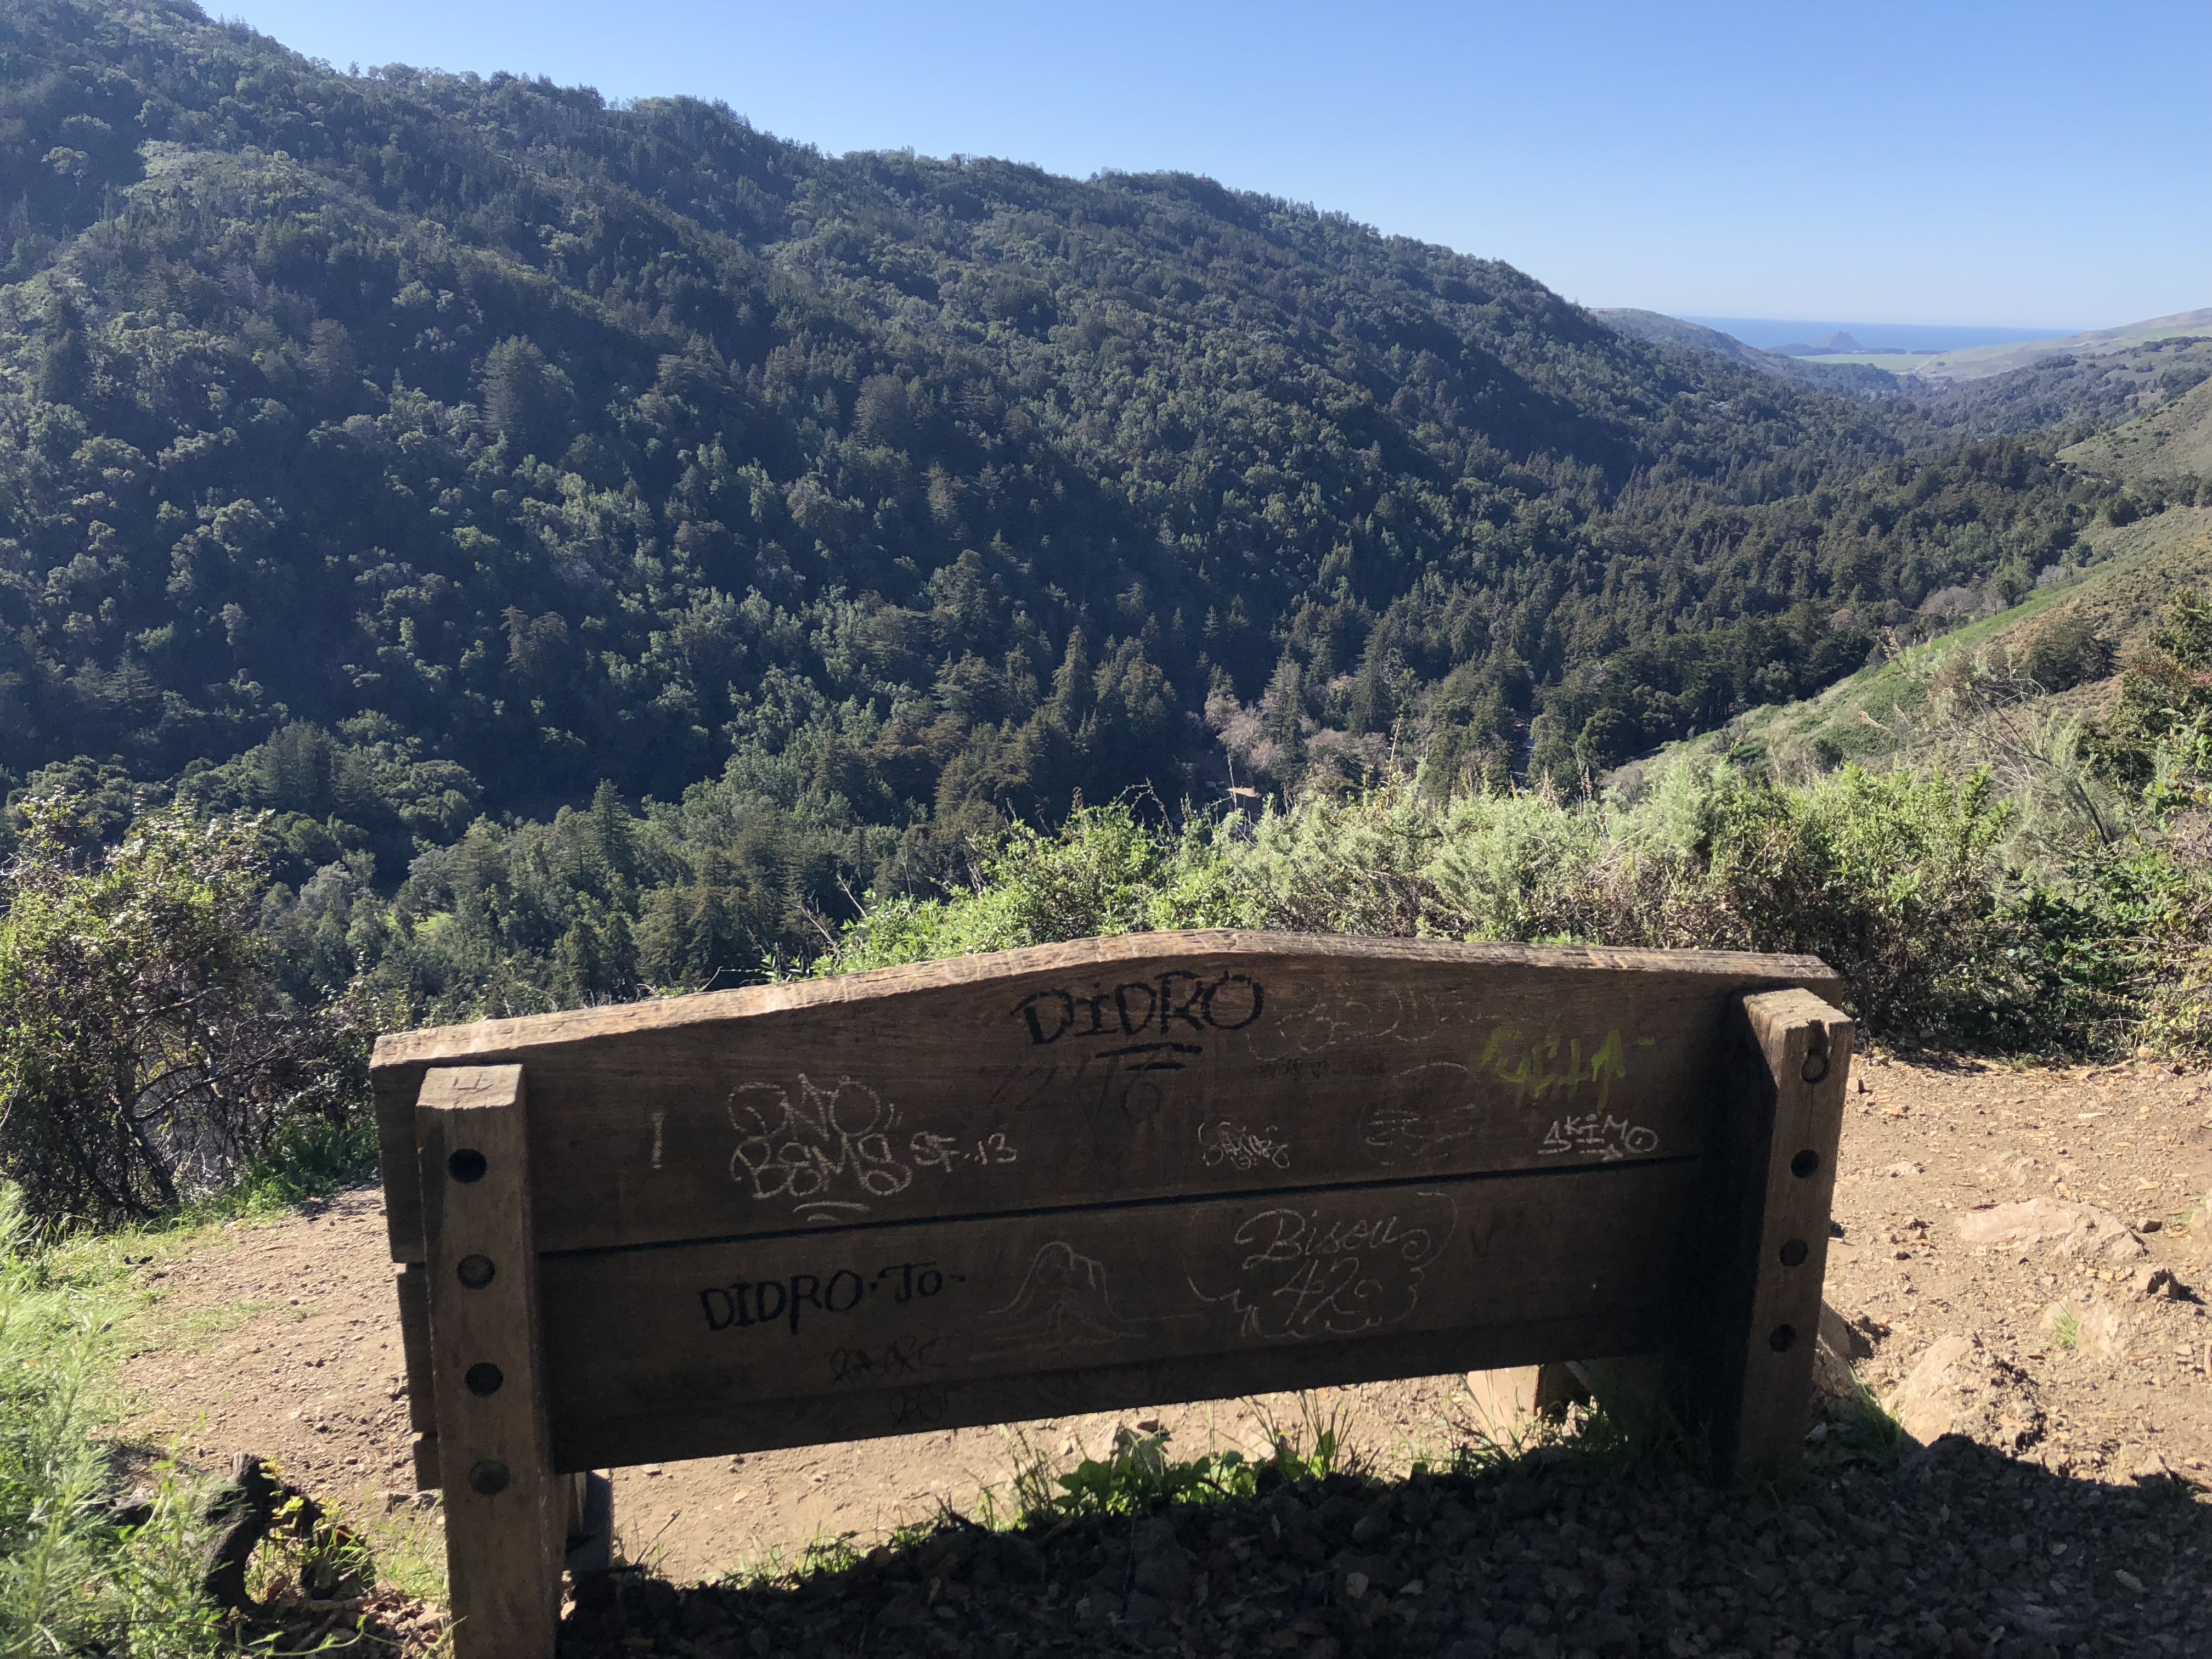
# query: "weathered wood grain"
{"points": [[411, 1284], [1750, 1335], [1807, 1045], [1105, 1386], [1151, 1065], [505, 1512], [699, 1349]]}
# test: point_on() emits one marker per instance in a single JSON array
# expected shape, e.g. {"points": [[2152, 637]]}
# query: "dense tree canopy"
{"points": [[399, 452]]}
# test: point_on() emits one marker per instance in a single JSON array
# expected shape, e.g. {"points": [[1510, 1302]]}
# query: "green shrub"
{"points": [[1097, 877], [306, 1161], [147, 1051], [2066, 651], [1901, 881], [1893, 879]]}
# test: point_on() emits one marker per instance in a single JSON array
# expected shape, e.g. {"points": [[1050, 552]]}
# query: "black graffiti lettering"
{"points": [[1170, 1010], [833, 1291], [762, 1311], [907, 1356], [900, 1357], [1216, 1020], [1151, 1056], [1130, 1027], [805, 1288], [917, 1405], [1179, 1003], [1027, 1008], [729, 1306]]}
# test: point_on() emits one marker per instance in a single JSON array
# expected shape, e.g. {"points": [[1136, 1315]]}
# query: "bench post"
{"points": [[1786, 1065], [506, 1513]]}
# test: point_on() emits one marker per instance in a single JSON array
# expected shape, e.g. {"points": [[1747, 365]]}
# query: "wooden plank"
{"points": [[394, 1093], [1506, 1402], [679, 1351], [1773, 1179], [1152, 1066], [411, 1284], [1807, 1048], [931, 1407], [506, 1513]]}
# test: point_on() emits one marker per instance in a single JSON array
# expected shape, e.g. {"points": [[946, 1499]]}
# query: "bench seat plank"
{"points": [[706, 1349]]}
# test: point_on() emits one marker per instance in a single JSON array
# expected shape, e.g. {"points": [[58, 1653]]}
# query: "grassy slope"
{"points": [[1978, 362], [2172, 441], [2141, 565]]}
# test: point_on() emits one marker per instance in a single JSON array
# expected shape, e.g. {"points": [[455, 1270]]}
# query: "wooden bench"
{"points": [[1084, 1177]]}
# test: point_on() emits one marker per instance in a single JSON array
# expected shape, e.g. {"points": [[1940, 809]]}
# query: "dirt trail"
{"points": [[280, 1339]]}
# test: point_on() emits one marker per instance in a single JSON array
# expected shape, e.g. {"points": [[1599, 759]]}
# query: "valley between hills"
{"points": [[472, 547]]}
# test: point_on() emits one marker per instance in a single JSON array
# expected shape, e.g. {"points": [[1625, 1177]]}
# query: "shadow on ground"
{"points": [[1956, 1549]]}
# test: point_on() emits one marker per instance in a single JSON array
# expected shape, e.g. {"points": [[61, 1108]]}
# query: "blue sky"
{"points": [[2022, 165]]}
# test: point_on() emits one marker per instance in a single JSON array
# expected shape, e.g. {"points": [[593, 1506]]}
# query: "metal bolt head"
{"points": [[475, 1271]]}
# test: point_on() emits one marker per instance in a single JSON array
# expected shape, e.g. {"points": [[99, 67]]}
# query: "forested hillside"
{"points": [[395, 451], [2077, 393]]}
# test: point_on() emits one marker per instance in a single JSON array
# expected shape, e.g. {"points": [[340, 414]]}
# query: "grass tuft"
{"points": [[84, 1568], [308, 1162]]}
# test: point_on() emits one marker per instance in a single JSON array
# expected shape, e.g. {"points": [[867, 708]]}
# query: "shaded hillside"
{"points": [[386, 450], [2060, 651], [2113, 382], [2074, 393]]}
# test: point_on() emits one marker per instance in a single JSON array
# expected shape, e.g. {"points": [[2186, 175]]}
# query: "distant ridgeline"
{"points": [[393, 449]]}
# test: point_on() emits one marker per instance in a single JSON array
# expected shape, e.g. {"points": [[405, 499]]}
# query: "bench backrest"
{"points": [[1085, 1177]]}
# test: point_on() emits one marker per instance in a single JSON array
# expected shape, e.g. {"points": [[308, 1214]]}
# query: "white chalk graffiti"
{"points": [[830, 1151], [1304, 1273], [936, 1151], [1063, 1302], [1222, 1142], [1598, 1135]]}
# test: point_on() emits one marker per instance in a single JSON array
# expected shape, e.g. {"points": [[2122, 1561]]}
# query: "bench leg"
{"points": [[506, 1511], [1756, 1306], [1507, 1402]]}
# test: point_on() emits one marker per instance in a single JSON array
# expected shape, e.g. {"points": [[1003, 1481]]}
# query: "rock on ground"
{"points": [[2089, 1324], [2089, 1231], [1960, 1388]]}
